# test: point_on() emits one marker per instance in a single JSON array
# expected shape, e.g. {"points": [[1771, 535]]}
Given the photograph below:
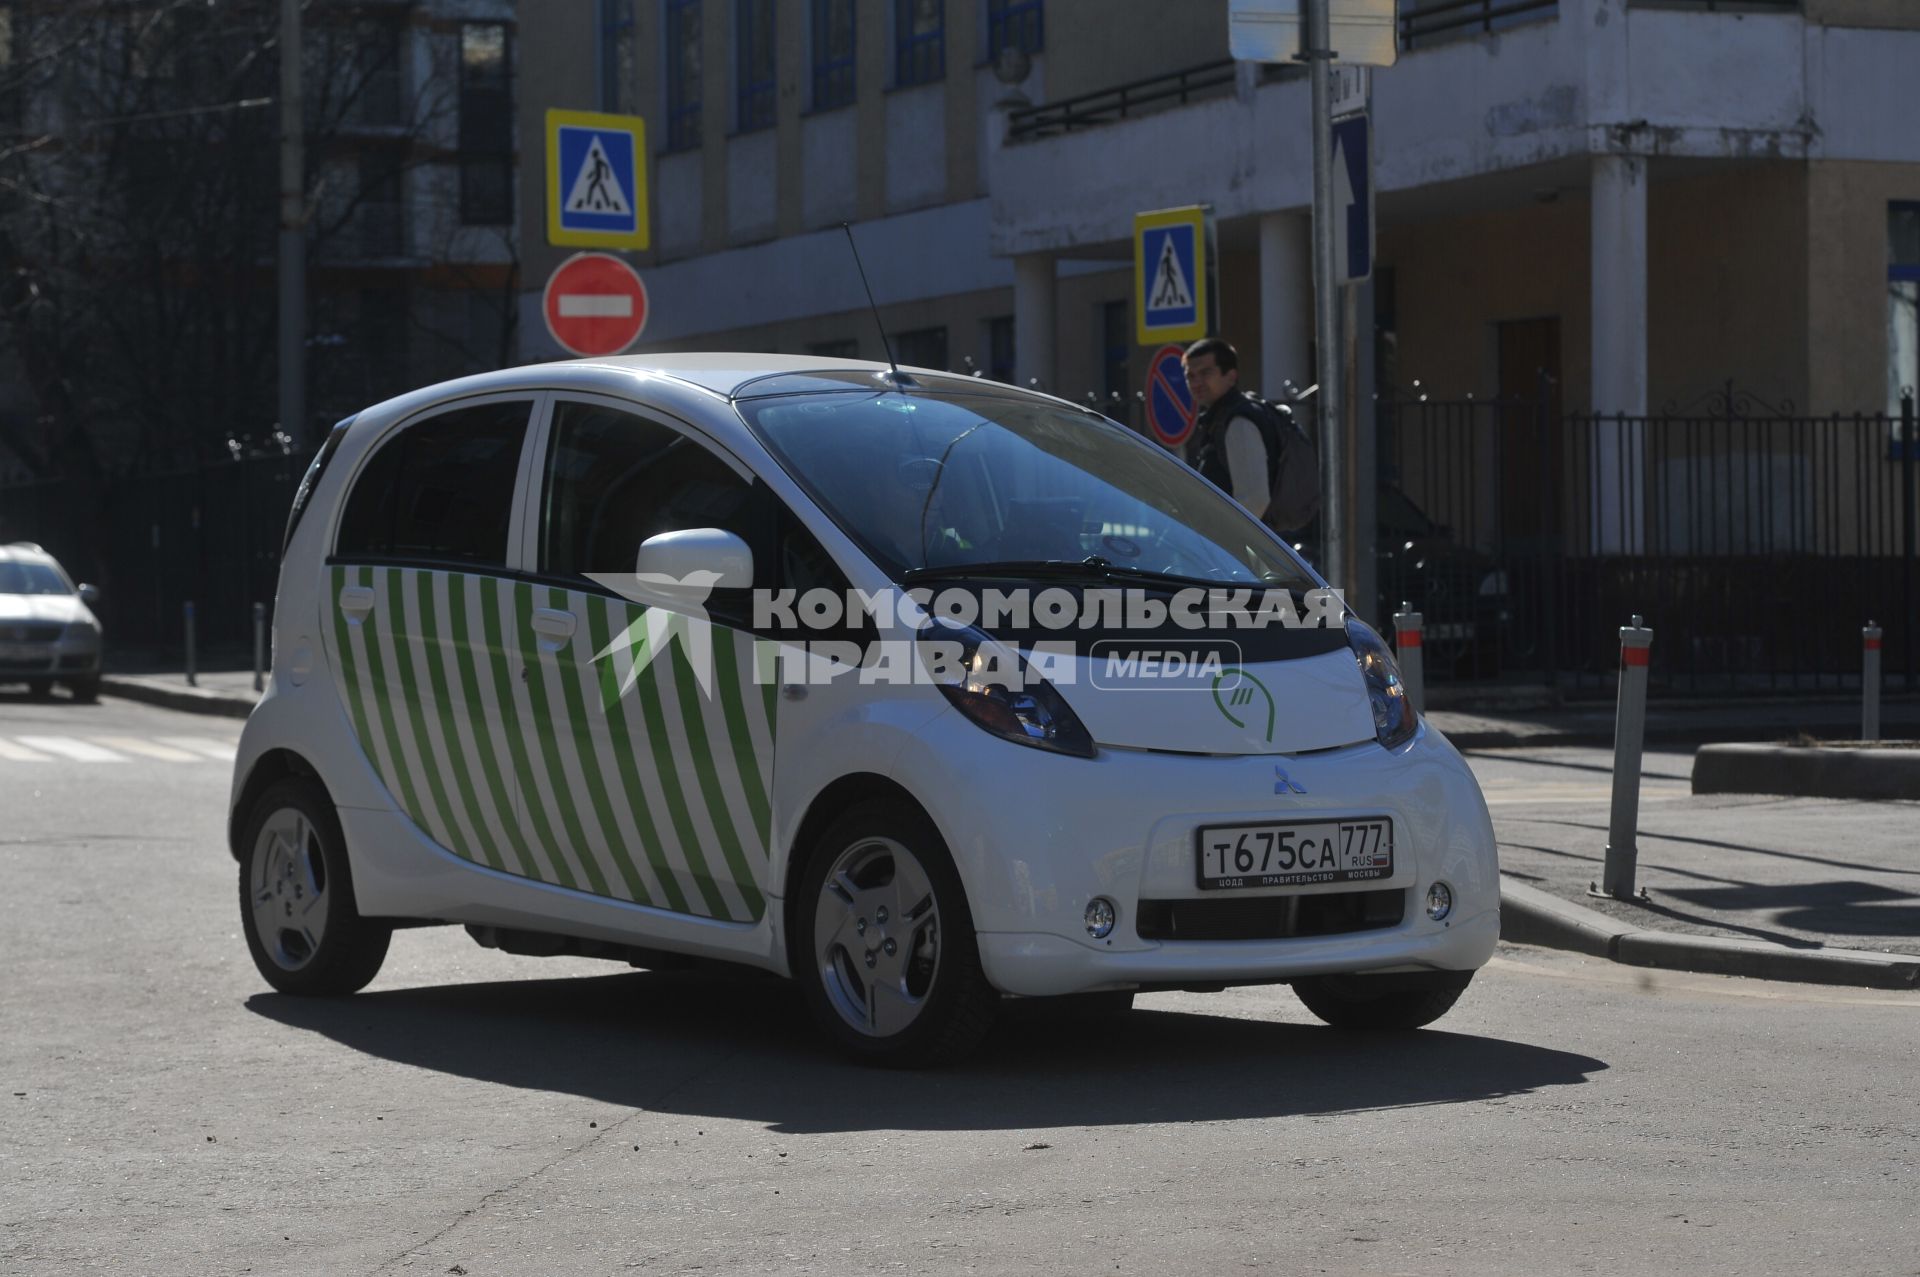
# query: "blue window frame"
{"points": [[1019, 23], [833, 39], [753, 74], [683, 49], [616, 55], [919, 41]]}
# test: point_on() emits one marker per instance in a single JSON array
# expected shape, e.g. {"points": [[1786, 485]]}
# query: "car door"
{"points": [[652, 765], [423, 625]]}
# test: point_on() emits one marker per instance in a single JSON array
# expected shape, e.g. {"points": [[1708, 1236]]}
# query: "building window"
{"points": [[486, 124], [1000, 363], [1903, 303], [376, 87], [922, 348], [833, 83], [683, 74], [753, 43], [9, 90], [1019, 24], [919, 41], [839, 348], [616, 56]]}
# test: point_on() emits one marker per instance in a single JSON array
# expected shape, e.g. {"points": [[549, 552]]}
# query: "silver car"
{"points": [[48, 632]]}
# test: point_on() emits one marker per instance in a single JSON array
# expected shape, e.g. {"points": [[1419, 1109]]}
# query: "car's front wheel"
{"points": [[85, 690], [297, 906], [1384, 1003], [884, 944]]}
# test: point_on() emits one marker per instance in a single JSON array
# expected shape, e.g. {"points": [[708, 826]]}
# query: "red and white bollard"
{"points": [[1870, 682], [1629, 734], [1407, 625]]}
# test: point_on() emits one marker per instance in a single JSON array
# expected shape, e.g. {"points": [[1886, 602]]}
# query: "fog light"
{"points": [[1439, 901], [1100, 917]]}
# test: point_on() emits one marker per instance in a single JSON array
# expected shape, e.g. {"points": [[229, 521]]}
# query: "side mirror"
{"points": [[89, 594], [704, 558]]}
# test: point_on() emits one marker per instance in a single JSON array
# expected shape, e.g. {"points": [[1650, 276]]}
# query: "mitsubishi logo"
{"points": [[1283, 783]]}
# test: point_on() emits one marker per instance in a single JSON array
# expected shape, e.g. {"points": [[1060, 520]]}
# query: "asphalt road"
{"points": [[160, 1112]]}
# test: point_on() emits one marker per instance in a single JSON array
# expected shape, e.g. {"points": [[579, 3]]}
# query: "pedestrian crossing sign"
{"points": [[596, 180], [1171, 266]]}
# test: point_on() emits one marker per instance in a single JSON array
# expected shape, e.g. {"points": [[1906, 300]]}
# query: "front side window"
{"points": [[832, 54], [1903, 303], [940, 482], [441, 490], [682, 24], [615, 478], [753, 76], [919, 41]]}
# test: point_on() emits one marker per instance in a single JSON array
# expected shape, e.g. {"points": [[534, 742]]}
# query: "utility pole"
{"points": [[293, 248], [1316, 49]]}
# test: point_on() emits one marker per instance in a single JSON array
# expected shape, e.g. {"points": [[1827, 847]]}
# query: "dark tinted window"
{"points": [[442, 489], [615, 478]]}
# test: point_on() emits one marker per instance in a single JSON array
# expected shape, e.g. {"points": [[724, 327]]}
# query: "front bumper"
{"points": [[1037, 836], [49, 660]]}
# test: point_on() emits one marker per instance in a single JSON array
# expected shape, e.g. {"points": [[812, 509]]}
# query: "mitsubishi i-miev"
{"points": [[921, 690]]}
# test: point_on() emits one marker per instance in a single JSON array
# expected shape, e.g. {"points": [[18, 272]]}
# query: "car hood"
{"points": [[1165, 699], [61, 608]]}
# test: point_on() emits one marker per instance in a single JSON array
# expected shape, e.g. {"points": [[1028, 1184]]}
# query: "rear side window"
{"points": [[615, 478], [440, 490]]}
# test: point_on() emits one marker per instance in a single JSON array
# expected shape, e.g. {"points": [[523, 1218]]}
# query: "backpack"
{"points": [[1293, 464]]}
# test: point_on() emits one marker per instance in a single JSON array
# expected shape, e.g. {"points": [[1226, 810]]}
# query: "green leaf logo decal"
{"points": [[1242, 692]]}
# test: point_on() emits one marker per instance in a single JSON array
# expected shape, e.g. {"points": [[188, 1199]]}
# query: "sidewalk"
{"points": [[1807, 889]]}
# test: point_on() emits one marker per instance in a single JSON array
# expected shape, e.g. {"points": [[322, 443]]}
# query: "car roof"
{"points": [[24, 552]]}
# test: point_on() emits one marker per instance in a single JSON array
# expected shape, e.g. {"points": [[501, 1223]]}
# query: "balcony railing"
{"points": [[1103, 106], [1425, 24]]}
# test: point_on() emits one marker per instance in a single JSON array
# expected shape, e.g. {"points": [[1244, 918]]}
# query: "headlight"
{"points": [[1394, 720], [81, 633], [994, 686]]}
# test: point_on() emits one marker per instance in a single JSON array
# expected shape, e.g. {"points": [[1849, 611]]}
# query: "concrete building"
{"points": [[1646, 199]]}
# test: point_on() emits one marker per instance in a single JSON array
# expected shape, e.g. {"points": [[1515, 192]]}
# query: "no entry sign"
{"points": [[595, 304], [1169, 402]]}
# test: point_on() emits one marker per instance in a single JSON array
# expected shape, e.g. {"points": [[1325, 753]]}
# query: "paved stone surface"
{"points": [[1798, 871]]}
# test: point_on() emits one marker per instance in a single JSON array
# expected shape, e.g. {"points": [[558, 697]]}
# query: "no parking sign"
{"points": [[1169, 403]]}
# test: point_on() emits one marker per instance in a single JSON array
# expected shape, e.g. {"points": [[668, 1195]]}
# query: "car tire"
{"points": [[1378, 1004], [297, 905], [85, 690], [883, 941], [40, 689]]}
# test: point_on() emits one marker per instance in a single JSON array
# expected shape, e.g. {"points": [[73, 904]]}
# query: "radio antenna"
{"points": [[885, 344]]}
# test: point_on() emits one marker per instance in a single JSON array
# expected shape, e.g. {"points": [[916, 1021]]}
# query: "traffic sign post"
{"points": [[596, 180], [1172, 275], [1170, 412], [595, 304]]}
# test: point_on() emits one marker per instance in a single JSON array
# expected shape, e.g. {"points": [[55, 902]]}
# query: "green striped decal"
{"points": [[527, 751]]}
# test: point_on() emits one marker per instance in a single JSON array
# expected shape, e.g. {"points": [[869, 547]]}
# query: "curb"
{"points": [[1807, 771], [1529, 915], [194, 700]]}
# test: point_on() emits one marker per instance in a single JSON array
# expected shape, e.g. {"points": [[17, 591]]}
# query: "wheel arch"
{"points": [[271, 766], [842, 793]]}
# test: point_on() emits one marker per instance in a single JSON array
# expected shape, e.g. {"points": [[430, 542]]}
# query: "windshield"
{"points": [[952, 484], [31, 578]]}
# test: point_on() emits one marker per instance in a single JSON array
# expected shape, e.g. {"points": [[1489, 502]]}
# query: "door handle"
{"points": [[553, 627], [356, 601]]}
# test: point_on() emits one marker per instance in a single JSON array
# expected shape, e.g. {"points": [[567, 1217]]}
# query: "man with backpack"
{"points": [[1253, 449]]}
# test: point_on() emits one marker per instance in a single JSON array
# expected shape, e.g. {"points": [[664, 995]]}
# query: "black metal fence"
{"points": [[210, 533], [1756, 543]]}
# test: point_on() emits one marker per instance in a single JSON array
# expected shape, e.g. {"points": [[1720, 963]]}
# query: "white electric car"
{"points": [[560, 655]]}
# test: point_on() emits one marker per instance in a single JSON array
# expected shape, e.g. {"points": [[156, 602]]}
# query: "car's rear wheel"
{"points": [[1381, 1003], [85, 690], [884, 944], [297, 906], [40, 688]]}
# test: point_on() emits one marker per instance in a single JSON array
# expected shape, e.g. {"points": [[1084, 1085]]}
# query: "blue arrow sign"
{"points": [[1352, 199]]}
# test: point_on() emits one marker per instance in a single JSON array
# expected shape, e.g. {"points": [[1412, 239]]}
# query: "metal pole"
{"points": [[259, 647], [1908, 444], [1334, 552], [1407, 630], [1629, 731], [186, 611], [293, 249], [1870, 682]]}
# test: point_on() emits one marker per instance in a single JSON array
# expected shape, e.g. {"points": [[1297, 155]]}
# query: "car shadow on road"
{"points": [[742, 1047]]}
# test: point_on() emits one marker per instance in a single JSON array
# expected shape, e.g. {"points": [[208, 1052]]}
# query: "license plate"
{"points": [[23, 652], [1296, 853]]}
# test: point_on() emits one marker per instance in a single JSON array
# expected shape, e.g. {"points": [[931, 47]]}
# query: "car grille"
{"points": [[29, 633], [1271, 917]]}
